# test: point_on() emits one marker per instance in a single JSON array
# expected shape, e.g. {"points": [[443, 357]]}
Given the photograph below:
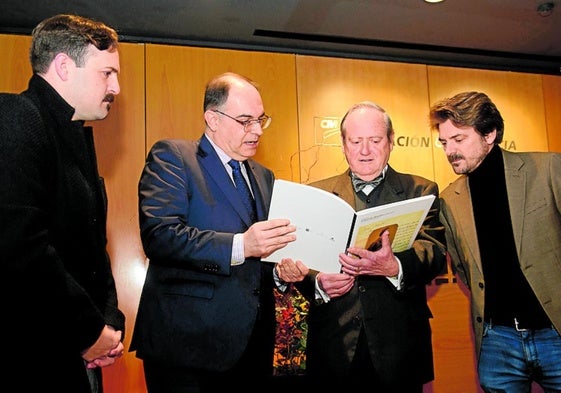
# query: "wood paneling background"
{"points": [[519, 97], [327, 87], [175, 83], [552, 101], [162, 96], [120, 145]]}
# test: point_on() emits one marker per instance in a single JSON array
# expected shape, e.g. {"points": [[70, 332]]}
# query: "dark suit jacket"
{"points": [[396, 323], [196, 310], [57, 288], [533, 184]]}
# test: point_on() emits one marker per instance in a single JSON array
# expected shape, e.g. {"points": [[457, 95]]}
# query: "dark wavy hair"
{"points": [[469, 109], [70, 34]]}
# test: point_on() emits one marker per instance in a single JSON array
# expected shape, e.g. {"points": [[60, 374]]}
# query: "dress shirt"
{"points": [[238, 255]]}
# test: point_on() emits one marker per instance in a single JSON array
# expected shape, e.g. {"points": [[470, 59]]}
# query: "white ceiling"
{"points": [[495, 34]]}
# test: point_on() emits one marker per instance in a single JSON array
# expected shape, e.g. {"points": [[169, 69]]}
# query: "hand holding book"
{"points": [[374, 242], [326, 225]]}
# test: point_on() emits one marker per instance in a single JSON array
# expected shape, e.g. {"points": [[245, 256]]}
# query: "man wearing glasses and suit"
{"points": [[206, 319]]}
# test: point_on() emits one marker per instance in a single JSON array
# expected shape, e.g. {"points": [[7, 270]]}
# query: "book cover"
{"points": [[326, 225]]}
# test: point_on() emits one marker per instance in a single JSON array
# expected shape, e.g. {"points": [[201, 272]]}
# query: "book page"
{"points": [[403, 218], [322, 220]]}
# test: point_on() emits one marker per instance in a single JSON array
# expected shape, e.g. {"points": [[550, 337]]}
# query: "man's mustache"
{"points": [[109, 98], [454, 157]]}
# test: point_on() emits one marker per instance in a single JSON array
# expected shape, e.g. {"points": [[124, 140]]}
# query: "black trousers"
{"points": [[362, 373], [254, 369]]}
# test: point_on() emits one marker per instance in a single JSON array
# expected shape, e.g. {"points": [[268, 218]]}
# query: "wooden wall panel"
{"points": [[552, 100], [327, 87], [518, 96], [176, 79], [120, 147], [453, 346], [15, 61]]}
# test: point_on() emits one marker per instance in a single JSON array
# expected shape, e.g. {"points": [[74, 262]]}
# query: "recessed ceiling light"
{"points": [[434, 1]]}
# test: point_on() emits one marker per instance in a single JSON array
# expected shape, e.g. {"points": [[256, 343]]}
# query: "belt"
{"points": [[521, 325]]}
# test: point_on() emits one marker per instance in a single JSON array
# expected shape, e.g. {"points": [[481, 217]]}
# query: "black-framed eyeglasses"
{"points": [[263, 121]]}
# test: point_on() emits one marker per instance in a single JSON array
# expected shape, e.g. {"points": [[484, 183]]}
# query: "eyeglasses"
{"points": [[263, 121]]}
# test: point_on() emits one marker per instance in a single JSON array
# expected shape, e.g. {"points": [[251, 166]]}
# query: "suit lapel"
{"points": [[343, 188], [211, 163], [463, 211], [392, 189], [257, 186], [515, 186]]}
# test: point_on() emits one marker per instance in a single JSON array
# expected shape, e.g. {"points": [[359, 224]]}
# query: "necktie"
{"points": [[243, 188], [366, 186]]}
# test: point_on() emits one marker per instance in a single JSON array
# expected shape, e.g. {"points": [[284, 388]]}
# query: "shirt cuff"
{"points": [[281, 285], [238, 256], [320, 295], [396, 280]]}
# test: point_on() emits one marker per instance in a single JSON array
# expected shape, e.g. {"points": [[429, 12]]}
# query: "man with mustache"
{"points": [[58, 291], [503, 231]]}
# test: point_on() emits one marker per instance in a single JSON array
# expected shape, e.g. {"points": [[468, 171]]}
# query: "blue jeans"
{"points": [[510, 360]]}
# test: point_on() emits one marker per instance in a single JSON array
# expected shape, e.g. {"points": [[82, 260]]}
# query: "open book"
{"points": [[326, 225]]}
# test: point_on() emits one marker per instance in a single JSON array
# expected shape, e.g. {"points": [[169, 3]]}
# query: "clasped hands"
{"points": [[357, 261], [105, 350]]}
